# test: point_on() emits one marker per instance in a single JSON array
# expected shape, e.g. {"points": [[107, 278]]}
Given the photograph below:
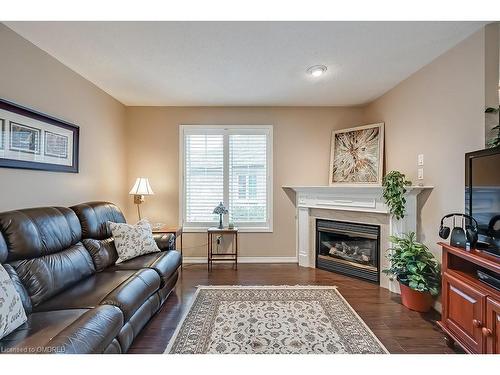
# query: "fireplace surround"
{"points": [[351, 249], [350, 204]]}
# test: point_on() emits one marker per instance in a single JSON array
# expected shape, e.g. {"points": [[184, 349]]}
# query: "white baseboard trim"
{"points": [[199, 260]]}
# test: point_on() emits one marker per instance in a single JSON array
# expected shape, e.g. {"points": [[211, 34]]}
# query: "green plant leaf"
{"points": [[421, 265], [413, 285]]}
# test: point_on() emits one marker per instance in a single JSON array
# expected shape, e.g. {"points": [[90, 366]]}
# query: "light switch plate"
{"points": [[420, 173], [420, 159]]}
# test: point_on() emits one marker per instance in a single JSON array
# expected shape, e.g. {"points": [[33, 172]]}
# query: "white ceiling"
{"points": [[244, 63]]}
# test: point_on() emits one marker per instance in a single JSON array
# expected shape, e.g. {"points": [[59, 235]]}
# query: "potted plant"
{"points": [[394, 184], [416, 269]]}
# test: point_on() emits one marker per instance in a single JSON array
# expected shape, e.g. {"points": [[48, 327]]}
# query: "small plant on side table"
{"points": [[416, 269], [394, 190]]}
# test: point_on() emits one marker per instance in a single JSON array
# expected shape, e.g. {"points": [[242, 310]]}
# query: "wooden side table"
{"points": [[176, 231], [222, 257]]}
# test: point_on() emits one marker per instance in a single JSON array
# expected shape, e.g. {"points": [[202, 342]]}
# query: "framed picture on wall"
{"points": [[33, 140], [357, 155]]}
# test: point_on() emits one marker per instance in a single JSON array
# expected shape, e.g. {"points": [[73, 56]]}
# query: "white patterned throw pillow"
{"points": [[133, 240], [12, 313]]}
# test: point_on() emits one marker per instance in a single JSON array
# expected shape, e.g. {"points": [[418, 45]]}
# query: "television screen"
{"points": [[483, 196]]}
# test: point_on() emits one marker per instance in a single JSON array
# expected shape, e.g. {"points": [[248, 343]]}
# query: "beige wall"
{"points": [[32, 78], [439, 112], [301, 155]]}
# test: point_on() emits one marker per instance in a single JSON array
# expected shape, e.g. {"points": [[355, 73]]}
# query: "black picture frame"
{"points": [[2, 133], [42, 117]]}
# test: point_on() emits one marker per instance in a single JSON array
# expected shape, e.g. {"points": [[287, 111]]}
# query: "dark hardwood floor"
{"points": [[400, 330]]}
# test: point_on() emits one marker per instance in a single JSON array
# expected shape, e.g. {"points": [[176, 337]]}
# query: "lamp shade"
{"points": [[220, 209], [141, 187]]}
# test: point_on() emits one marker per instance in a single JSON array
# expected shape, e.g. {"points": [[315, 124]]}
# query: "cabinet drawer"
{"points": [[463, 312]]}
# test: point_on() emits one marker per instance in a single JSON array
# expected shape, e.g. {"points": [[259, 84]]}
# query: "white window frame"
{"points": [[238, 129]]}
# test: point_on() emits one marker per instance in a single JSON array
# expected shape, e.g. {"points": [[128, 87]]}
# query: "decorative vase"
{"points": [[415, 300]]}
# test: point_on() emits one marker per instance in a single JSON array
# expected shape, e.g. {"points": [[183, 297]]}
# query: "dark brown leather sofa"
{"points": [[62, 262]]}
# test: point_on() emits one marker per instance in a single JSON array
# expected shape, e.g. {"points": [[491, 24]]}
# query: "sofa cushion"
{"points": [[103, 252], [87, 293], [133, 240], [12, 313], [165, 263], [127, 290], [43, 246], [48, 275], [35, 232], [38, 330], [94, 216]]}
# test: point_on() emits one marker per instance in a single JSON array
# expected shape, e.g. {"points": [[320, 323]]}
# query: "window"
{"points": [[229, 164]]}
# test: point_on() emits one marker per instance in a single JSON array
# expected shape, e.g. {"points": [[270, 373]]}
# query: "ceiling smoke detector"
{"points": [[316, 70]]}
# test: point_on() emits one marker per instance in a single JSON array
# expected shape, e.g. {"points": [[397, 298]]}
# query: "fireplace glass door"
{"points": [[348, 248]]}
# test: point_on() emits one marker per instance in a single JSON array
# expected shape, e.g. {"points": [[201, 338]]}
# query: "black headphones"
{"points": [[462, 235]]}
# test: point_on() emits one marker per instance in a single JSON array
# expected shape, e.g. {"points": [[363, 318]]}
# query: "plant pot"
{"points": [[415, 300]]}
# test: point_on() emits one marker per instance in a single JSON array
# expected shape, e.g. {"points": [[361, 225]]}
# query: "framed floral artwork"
{"points": [[357, 155]]}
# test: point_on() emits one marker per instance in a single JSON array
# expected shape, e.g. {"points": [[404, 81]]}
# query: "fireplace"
{"points": [[348, 248]]}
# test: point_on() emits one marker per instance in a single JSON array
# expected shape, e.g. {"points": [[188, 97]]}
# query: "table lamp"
{"points": [[140, 189], [220, 210]]}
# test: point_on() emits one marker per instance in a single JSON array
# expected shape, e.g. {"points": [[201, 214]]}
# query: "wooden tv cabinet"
{"points": [[470, 309]]}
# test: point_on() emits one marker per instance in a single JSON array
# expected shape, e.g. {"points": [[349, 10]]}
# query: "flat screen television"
{"points": [[482, 196]]}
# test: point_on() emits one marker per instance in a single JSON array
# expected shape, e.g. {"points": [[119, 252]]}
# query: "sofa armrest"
{"points": [[131, 294], [167, 264], [90, 334], [165, 241]]}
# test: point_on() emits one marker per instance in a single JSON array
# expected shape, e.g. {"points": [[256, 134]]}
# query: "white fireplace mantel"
{"points": [[357, 200]]}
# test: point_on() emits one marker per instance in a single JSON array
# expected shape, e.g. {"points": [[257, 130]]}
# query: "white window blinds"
{"points": [[231, 165], [204, 178], [248, 178]]}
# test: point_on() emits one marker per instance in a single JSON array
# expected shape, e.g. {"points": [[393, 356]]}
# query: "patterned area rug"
{"points": [[272, 320]]}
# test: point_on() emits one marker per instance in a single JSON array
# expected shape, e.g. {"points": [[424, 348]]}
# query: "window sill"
{"points": [[186, 229]]}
